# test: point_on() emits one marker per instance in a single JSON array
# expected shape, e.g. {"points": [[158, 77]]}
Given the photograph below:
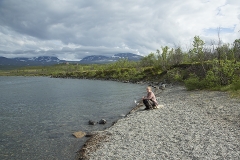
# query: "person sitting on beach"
{"points": [[150, 100]]}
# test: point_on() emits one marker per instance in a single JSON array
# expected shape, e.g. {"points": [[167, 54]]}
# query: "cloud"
{"points": [[72, 29]]}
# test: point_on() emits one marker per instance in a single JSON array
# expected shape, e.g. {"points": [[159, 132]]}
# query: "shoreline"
{"points": [[192, 124], [96, 137]]}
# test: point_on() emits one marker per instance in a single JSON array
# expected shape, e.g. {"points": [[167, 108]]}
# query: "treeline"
{"points": [[211, 66], [202, 66]]}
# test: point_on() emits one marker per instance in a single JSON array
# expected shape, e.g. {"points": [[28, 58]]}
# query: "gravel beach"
{"points": [[190, 125]]}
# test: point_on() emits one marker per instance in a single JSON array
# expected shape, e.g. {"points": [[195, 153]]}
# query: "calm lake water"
{"points": [[39, 114]]}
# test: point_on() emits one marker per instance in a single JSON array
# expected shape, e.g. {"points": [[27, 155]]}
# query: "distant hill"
{"points": [[95, 59], [35, 61], [50, 60], [105, 59]]}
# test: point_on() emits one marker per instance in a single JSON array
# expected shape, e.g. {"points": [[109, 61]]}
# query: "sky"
{"points": [[74, 29]]}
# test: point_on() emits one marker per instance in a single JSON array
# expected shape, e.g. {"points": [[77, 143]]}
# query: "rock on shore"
{"points": [[79, 134], [191, 125]]}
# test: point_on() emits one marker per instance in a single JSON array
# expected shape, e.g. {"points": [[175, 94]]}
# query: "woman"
{"points": [[150, 100]]}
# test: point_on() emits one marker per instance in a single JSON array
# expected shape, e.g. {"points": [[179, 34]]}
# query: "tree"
{"points": [[198, 50], [236, 49], [178, 56], [148, 61], [163, 58]]}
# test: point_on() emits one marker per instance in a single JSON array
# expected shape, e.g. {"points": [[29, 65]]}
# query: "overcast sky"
{"points": [[73, 29]]}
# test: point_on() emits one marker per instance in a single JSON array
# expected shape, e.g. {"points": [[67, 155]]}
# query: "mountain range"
{"points": [[50, 60], [115, 57], [35, 61]]}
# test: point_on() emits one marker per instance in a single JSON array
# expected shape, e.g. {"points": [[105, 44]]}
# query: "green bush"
{"points": [[224, 71], [91, 74], [236, 84], [193, 82], [178, 77], [211, 80]]}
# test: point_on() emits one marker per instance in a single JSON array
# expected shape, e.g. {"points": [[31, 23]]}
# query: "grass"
{"points": [[233, 89], [235, 94]]}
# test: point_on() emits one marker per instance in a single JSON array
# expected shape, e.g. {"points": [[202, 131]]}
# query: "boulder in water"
{"points": [[79, 134], [102, 121], [90, 122]]}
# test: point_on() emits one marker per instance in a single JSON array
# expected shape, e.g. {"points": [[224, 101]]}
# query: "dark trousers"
{"points": [[148, 103]]}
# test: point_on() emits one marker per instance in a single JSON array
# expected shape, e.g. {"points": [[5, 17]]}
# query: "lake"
{"points": [[39, 114]]}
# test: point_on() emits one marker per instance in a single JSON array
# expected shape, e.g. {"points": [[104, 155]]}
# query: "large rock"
{"points": [[90, 122], [102, 121], [162, 86], [79, 134]]}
